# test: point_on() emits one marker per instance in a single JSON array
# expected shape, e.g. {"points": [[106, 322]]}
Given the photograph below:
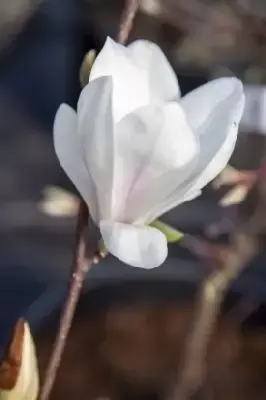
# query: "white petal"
{"points": [[96, 134], [138, 246], [69, 153], [163, 82], [202, 102], [219, 110], [130, 83], [154, 149], [221, 102]]}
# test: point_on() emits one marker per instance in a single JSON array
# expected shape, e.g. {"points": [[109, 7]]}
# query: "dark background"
{"points": [[39, 67]]}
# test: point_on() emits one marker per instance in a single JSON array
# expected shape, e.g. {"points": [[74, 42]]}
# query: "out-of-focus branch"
{"points": [[80, 268], [14, 14], [127, 19], [243, 246]]}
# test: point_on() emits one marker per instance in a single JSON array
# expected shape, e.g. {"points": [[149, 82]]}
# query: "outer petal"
{"points": [[130, 90], [202, 102], [68, 150], [214, 111], [95, 122], [163, 82], [138, 246], [154, 147]]}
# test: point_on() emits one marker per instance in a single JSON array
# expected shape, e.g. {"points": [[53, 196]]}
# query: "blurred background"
{"points": [[42, 44]]}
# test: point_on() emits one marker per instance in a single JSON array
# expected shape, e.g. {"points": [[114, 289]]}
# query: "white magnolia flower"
{"points": [[135, 150]]}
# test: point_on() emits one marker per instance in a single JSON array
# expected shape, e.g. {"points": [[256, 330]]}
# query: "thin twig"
{"points": [[80, 267], [243, 246], [127, 19], [210, 298]]}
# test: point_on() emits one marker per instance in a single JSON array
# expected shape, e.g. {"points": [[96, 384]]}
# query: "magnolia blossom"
{"points": [[134, 149]]}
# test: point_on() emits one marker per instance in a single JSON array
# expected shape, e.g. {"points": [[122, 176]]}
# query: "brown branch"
{"points": [[127, 19], [243, 246], [81, 265], [209, 301]]}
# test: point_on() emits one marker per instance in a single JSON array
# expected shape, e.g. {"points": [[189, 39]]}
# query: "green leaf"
{"points": [[172, 234]]}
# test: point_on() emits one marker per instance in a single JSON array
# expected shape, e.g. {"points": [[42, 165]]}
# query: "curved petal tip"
{"points": [[138, 246]]}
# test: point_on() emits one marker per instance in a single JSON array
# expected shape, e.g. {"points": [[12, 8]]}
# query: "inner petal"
{"points": [[153, 146]]}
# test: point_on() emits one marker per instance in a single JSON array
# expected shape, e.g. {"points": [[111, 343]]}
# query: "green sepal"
{"points": [[172, 235]]}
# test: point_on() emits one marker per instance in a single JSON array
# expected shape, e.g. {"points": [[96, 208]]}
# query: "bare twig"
{"points": [[127, 19], [81, 265], [243, 247], [208, 306]]}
